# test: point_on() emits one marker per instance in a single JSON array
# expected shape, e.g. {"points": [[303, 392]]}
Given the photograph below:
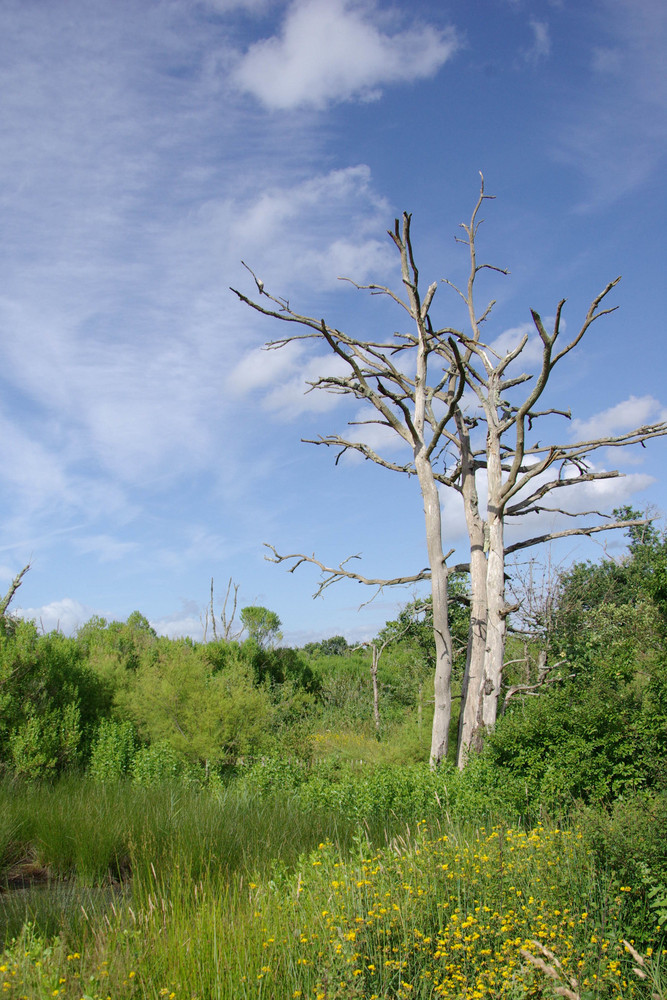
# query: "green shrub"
{"points": [[40, 746], [157, 764], [629, 840], [113, 750]]}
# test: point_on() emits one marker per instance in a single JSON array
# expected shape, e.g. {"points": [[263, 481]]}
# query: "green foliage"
{"points": [[280, 666], [262, 626], [204, 713], [42, 745], [628, 839], [412, 631], [335, 646], [603, 733], [50, 699], [587, 740], [113, 750], [157, 764]]}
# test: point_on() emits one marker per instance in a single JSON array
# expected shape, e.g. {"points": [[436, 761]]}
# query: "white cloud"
{"points": [[511, 338], [260, 368], [65, 615], [186, 622], [281, 377], [335, 50], [380, 438], [290, 397], [541, 45], [312, 232], [635, 411], [7, 574], [602, 495]]}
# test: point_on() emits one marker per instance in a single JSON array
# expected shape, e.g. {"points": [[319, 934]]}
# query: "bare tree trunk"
{"points": [[470, 719], [375, 659], [215, 633], [496, 623], [420, 414], [442, 712], [496, 613]]}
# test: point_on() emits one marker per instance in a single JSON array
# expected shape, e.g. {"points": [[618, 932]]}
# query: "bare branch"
{"points": [[332, 574], [573, 453], [258, 281], [589, 530], [378, 290], [543, 681], [215, 631], [228, 623], [521, 506], [335, 441], [13, 587], [594, 313]]}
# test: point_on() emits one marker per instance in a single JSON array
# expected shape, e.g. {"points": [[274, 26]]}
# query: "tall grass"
{"points": [[101, 833], [437, 912], [229, 894]]}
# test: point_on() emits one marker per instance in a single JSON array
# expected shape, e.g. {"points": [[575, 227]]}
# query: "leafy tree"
{"points": [[113, 750], [205, 715], [413, 627], [262, 626], [603, 731], [124, 642], [335, 646], [50, 701]]}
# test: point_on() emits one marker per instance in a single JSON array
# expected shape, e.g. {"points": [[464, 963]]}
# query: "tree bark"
{"points": [[442, 712], [375, 659], [470, 718]]}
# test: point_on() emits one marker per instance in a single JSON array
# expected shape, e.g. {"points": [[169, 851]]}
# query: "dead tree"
{"points": [[13, 587], [227, 622], [377, 649], [414, 382]]}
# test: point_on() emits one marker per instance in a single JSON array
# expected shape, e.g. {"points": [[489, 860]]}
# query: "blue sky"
{"points": [[148, 443]]}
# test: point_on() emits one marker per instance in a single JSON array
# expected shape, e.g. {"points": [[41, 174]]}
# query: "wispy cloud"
{"points": [[336, 50], [132, 185], [541, 44], [635, 411], [616, 132], [107, 548]]}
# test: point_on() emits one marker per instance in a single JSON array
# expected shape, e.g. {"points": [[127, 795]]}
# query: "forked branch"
{"points": [[332, 574]]}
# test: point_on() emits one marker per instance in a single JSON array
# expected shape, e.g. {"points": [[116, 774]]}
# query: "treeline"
{"points": [[585, 694]]}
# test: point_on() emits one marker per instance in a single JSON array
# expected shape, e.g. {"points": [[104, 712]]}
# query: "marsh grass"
{"points": [[100, 834], [237, 896], [435, 912]]}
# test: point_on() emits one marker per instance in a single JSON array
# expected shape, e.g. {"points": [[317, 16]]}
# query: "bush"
{"points": [[628, 839], [157, 764], [113, 750]]}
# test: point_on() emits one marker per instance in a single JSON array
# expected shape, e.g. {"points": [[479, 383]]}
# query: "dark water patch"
{"points": [[51, 906]]}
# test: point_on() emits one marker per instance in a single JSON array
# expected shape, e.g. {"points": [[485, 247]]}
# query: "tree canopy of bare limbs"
{"points": [[479, 445]]}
